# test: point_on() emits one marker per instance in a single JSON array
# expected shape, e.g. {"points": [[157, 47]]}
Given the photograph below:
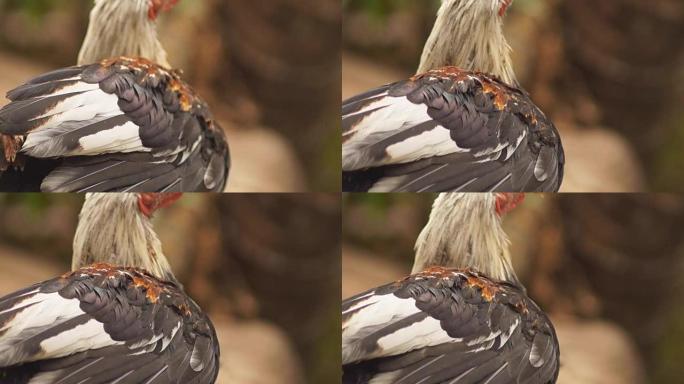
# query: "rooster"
{"points": [[120, 316], [462, 123], [461, 317], [121, 120]]}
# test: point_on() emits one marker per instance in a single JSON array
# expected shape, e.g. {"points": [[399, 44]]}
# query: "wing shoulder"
{"points": [[451, 129], [118, 107], [104, 311], [442, 324]]}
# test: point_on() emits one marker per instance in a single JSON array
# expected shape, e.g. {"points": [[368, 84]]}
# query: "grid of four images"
{"points": [[355, 192]]}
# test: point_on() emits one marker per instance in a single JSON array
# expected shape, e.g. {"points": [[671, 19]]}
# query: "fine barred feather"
{"points": [[447, 326], [124, 124]]}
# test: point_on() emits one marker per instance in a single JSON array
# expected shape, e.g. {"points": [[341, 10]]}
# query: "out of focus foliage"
{"points": [[381, 8], [40, 223], [35, 8]]}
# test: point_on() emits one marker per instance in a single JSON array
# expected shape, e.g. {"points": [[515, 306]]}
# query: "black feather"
{"points": [[482, 116], [116, 298], [468, 317]]}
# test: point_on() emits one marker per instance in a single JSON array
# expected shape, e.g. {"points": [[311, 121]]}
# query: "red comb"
{"points": [[157, 6], [504, 7], [148, 203], [505, 202]]}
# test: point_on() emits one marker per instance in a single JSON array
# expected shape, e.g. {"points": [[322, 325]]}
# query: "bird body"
{"points": [[462, 316], [446, 326], [460, 124], [448, 130], [105, 324], [119, 316], [117, 124]]}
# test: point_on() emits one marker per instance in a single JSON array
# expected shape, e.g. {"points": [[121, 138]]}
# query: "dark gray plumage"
{"points": [[156, 333], [449, 130], [125, 124], [485, 331]]}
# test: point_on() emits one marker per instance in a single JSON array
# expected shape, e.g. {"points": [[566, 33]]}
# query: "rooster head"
{"points": [[148, 203], [505, 202], [158, 6]]}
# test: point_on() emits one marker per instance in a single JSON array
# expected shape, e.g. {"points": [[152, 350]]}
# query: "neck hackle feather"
{"points": [[111, 229], [121, 28], [464, 231], [469, 34]]}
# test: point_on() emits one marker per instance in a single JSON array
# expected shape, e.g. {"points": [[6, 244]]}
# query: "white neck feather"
{"points": [[111, 229], [468, 34], [121, 28], [464, 231]]}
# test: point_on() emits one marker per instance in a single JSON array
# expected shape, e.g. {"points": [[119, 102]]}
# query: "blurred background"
{"points": [[608, 268], [270, 70], [609, 73], [271, 291]]}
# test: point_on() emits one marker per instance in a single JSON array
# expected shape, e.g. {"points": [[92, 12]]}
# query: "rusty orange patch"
{"points": [[500, 96], [11, 146], [437, 272], [487, 287], [490, 86], [453, 73], [134, 62], [104, 269], [185, 93], [140, 280], [152, 290]]}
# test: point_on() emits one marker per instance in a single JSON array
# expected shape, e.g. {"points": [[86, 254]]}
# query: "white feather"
{"points": [[196, 362], [25, 294], [122, 377], [40, 312], [69, 116], [540, 171], [510, 150], [435, 142], [418, 335], [81, 86], [121, 138], [395, 114], [485, 338], [90, 335], [167, 340], [45, 377], [153, 378], [80, 107], [507, 335], [377, 312], [368, 298]]}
